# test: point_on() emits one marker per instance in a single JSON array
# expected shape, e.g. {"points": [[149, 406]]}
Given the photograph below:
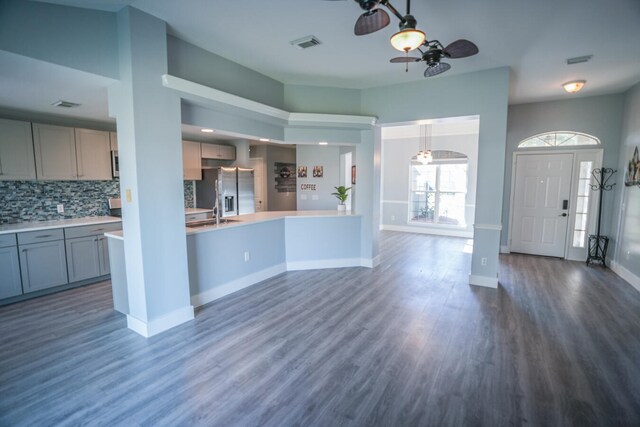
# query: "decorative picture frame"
{"points": [[632, 175], [353, 175], [318, 171], [302, 171]]}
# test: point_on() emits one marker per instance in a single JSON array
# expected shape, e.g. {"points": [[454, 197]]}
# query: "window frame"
{"points": [[596, 141]]}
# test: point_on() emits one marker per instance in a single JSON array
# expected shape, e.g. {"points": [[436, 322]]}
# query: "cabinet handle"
{"points": [[26, 266], [42, 236], [97, 229]]}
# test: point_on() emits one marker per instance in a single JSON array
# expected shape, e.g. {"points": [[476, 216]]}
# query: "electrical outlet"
{"points": [[483, 261], [247, 256], [60, 208]]}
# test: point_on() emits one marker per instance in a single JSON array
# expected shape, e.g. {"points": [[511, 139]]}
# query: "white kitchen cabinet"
{"points": [[93, 154], [10, 282], [103, 255], [43, 262], [191, 161], [198, 216], [219, 152], [17, 161], [113, 140], [55, 150]]}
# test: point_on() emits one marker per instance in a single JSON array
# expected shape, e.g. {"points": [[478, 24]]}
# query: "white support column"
{"points": [[149, 143]]}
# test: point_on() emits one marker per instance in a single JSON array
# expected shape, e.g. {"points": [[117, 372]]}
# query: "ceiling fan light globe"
{"points": [[574, 86], [407, 40]]}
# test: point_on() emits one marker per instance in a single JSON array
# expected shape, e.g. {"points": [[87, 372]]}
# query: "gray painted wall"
{"points": [[314, 99], [78, 38], [328, 157], [600, 116], [628, 253], [192, 63], [271, 154]]}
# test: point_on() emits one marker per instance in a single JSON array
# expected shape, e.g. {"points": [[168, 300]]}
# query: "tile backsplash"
{"points": [[22, 201]]}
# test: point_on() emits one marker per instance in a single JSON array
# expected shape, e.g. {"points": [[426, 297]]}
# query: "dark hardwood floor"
{"points": [[406, 343]]}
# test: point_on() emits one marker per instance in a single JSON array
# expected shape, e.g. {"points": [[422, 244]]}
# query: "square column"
{"points": [[149, 144]]}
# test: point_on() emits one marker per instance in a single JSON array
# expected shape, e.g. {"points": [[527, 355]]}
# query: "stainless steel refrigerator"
{"points": [[234, 191]]}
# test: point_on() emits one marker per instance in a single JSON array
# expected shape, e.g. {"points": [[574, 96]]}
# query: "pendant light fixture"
{"points": [[424, 155]]}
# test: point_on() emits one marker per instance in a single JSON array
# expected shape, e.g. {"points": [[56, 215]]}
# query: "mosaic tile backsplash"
{"points": [[22, 201]]}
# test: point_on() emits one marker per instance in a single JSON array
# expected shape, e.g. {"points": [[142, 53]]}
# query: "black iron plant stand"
{"points": [[598, 244]]}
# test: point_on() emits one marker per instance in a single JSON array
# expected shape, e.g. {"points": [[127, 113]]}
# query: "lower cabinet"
{"points": [[103, 253], [10, 282], [43, 265], [83, 259]]}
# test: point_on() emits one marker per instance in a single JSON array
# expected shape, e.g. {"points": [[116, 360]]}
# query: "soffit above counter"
{"points": [[208, 96]]}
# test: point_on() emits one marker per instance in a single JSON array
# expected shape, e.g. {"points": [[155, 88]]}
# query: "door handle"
{"points": [[563, 214]]}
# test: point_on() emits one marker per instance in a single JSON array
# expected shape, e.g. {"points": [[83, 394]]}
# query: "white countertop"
{"points": [[62, 223], [189, 211], [248, 219]]}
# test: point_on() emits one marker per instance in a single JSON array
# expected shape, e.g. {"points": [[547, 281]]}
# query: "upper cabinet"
{"points": [[16, 151], [93, 154], [55, 148], [219, 152], [64, 153], [191, 161]]}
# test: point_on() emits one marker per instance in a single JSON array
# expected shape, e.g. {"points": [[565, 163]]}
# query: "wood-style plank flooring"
{"points": [[406, 343]]}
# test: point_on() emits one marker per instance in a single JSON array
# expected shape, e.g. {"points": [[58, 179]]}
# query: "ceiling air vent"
{"points": [[65, 104], [578, 59], [306, 42]]}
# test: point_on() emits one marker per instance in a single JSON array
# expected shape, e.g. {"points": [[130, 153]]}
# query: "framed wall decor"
{"points": [[353, 174], [632, 176], [302, 171], [318, 171]]}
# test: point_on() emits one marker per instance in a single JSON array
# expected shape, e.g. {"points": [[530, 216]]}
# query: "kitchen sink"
{"points": [[209, 222]]}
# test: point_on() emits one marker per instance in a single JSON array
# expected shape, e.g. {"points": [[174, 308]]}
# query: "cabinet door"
{"points": [[226, 152], [55, 149], [83, 260], [103, 254], [209, 151], [93, 151], [10, 283], [43, 265], [191, 161], [17, 161]]}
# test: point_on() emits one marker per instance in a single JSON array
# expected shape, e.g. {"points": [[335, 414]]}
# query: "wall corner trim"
{"points": [[161, 324], [484, 281], [504, 249]]}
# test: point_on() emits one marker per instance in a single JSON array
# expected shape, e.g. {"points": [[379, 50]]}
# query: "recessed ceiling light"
{"points": [[264, 139], [574, 86], [205, 130], [323, 143]]}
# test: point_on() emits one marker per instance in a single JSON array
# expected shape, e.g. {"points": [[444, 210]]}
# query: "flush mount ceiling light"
{"points": [[323, 143], [264, 139], [206, 130], [574, 86]]}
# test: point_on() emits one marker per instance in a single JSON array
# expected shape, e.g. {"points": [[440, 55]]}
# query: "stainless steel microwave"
{"points": [[115, 164]]}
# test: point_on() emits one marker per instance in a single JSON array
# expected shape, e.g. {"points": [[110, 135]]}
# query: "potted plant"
{"points": [[342, 193]]}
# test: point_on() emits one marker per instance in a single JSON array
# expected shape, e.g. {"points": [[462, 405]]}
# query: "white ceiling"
{"points": [[533, 38]]}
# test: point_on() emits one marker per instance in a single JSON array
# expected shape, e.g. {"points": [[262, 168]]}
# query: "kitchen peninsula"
{"points": [[250, 248]]}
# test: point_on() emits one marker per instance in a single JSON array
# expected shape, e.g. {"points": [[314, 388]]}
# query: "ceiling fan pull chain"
{"points": [[406, 64]]}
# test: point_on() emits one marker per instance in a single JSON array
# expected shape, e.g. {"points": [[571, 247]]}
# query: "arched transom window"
{"points": [[559, 139]]}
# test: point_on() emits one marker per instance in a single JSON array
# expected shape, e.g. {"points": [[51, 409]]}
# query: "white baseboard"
{"points": [[487, 282], [325, 263], [426, 230], [628, 276], [236, 285], [504, 249], [161, 324]]}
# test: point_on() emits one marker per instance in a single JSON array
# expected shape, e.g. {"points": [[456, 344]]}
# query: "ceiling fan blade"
{"points": [[460, 49], [436, 69], [371, 21], [403, 59]]}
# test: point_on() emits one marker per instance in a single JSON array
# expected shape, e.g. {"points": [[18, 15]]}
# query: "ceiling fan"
{"points": [[409, 38]]}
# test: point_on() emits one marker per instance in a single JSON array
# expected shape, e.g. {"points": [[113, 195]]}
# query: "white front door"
{"points": [[542, 196]]}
